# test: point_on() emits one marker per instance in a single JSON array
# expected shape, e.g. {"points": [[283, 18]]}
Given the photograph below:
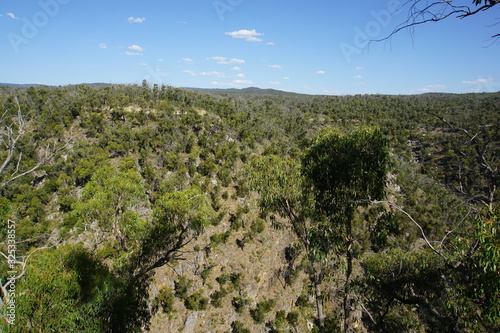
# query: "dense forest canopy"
{"points": [[111, 194]]}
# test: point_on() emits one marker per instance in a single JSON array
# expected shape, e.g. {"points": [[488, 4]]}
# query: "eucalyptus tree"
{"points": [[280, 185], [343, 172]]}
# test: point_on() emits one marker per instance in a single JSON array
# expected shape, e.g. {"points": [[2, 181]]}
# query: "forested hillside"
{"points": [[129, 208]]}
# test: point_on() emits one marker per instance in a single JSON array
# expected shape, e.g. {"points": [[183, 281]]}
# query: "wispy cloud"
{"points": [[236, 68], [275, 66], [275, 82], [103, 46], [187, 60], [242, 81], [432, 88], [213, 73], [190, 72], [12, 16], [479, 81], [241, 76], [358, 76], [132, 19], [359, 68], [248, 35], [321, 72], [136, 48], [225, 61], [234, 83]]}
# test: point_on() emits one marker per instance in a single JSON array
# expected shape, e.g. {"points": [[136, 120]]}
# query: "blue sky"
{"points": [[313, 46]]}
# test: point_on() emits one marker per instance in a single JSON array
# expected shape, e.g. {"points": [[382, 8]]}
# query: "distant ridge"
{"points": [[14, 85], [245, 91], [25, 85]]}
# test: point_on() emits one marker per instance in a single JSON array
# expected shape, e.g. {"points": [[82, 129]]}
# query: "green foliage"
{"points": [[258, 226], [240, 303], [182, 287], [196, 302], [178, 217], [346, 168], [293, 318], [398, 281], [239, 327], [258, 314], [5, 211], [218, 239], [143, 224], [110, 198], [217, 297], [166, 299], [64, 290], [278, 180]]}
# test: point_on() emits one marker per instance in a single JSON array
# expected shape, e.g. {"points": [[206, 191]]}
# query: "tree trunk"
{"points": [[347, 286], [317, 295]]}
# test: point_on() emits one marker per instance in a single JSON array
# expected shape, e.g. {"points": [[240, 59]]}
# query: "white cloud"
{"points": [[213, 73], [133, 53], [241, 76], [136, 48], [103, 46], [142, 64], [358, 77], [190, 72], [132, 19], [321, 72], [181, 22], [270, 43], [234, 83], [225, 61], [479, 81], [236, 61], [248, 35], [242, 82], [286, 78], [12, 16], [275, 66], [275, 82], [160, 60], [187, 60], [236, 68], [430, 88], [359, 68], [218, 58]]}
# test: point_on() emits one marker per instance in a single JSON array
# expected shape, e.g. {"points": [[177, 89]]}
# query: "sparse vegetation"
{"points": [[139, 176]]}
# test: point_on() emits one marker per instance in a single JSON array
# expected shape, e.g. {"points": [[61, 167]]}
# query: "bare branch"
{"points": [[434, 12], [12, 280]]}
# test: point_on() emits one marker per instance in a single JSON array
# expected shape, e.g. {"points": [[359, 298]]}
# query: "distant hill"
{"points": [[25, 85], [13, 85], [245, 91]]}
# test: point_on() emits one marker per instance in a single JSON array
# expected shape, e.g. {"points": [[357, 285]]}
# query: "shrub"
{"points": [[182, 287], [259, 313], [240, 303], [166, 299], [238, 327], [196, 302]]}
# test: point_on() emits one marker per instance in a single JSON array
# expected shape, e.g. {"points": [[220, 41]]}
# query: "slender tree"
{"points": [[281, 187], [342, 170]]}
